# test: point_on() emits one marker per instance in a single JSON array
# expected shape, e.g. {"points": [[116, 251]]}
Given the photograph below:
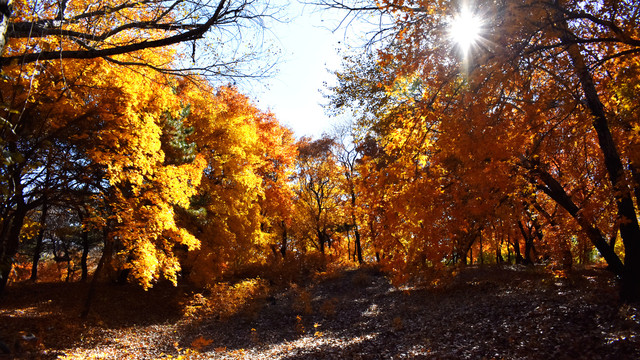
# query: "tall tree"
{"points": [[540, 101], [347, 156], [318, 192], [248, 158]]}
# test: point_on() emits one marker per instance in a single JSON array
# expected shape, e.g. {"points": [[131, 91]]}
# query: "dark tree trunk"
{"points": [[499, 258], [516, 250], [629, 228], [5, 12], [85, 254], [358, 246], [527, 235], [39, 239], [106, 254], [321, 241], [480, 252], [10, 244], [283, 245]]}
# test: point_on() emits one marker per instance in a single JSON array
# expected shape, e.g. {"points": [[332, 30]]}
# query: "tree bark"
{"points": [[85, 254], [6, 8], [357, 245], [283, 245], [555, 190], [527, 235], [106, 253], [629, 227], [10, 245], [38, 248], [516, 249]]}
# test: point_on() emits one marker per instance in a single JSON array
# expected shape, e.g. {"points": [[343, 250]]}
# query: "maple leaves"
{"points": [[318, 203], [168, 164], [528, 145], [525, 123], [244, 195]]}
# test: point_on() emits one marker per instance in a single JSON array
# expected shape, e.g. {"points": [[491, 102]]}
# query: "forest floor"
{"points": [[479, 313]]}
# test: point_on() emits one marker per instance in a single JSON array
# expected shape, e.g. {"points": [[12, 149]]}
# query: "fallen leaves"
{"points": [[500, 313]]}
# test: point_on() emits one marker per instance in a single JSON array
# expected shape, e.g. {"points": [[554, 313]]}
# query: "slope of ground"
{"points": [[490, 313]]}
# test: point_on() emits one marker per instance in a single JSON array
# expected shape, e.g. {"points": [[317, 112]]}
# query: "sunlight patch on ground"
{"points": [[27, 311], [306, 345], [372, 311]]}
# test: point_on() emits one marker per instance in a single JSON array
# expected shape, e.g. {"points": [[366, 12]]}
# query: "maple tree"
{"points": [[244, 195], [94, 118], [318, 194], [534, 113]]}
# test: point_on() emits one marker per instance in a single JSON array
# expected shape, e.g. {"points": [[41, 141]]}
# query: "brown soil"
{"points": [[481, 313]]}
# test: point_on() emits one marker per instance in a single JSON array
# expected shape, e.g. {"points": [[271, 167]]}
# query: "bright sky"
{"points": [[309, 51]]}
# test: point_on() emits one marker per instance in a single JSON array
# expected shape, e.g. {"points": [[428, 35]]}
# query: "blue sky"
{"points": [[308, 49]]}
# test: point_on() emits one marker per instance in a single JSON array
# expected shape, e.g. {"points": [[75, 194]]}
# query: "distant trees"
{"points": [[318, 192]]}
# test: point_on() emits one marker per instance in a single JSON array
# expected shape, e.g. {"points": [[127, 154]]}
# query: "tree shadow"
{"points": [[51, 311], [507, 314]]}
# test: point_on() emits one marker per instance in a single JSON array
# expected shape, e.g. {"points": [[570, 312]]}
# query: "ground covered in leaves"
{"points": [[477, 313]]}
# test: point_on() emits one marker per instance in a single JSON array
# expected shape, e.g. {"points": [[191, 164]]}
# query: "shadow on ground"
{"points": [[490, 313], [482, 313]]}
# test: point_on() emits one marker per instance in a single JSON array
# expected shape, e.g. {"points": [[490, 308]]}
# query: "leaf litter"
{"points": [[481, 313]]}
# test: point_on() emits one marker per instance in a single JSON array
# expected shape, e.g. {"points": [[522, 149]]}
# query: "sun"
{"points": [[465, 29]]}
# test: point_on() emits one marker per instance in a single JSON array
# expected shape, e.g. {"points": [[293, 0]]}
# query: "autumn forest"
{"points": [[491, 138]]}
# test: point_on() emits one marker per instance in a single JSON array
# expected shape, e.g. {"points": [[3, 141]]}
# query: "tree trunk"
{"points": [[527, 235], [516, 250], [555, 191], [499, 258], [480, 252], [321, 241], [283, 245], [10, 244], [85, 255], [629, 228], [106, 253], [39, 239], [6, 7], [358, 246]]}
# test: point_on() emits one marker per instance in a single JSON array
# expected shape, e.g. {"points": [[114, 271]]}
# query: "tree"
{"points": [[91, 127], [121, 32], [542, 100], [347, 156], [318, 192], [244, 192]]}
